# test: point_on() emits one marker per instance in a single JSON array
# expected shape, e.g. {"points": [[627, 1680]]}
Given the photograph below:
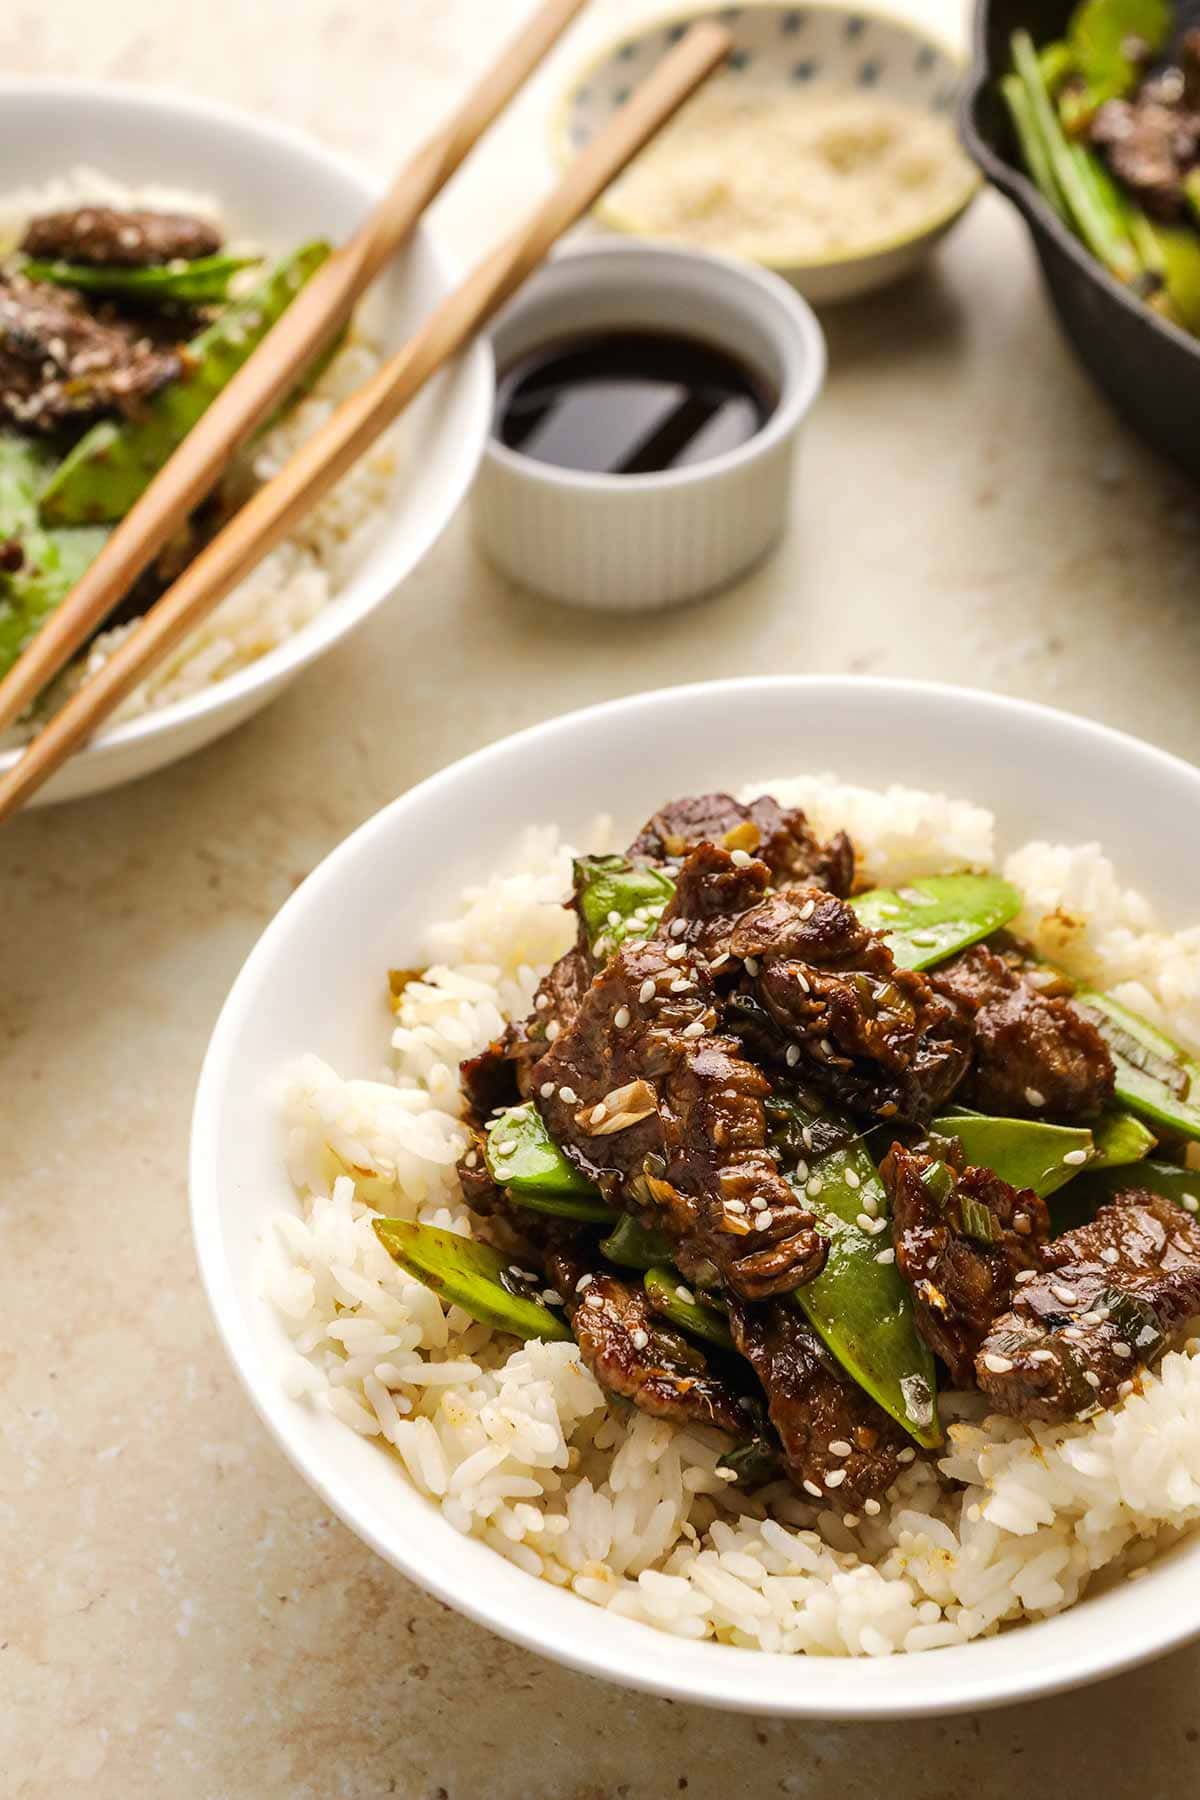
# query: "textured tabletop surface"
{"points": [[178, 1614]]}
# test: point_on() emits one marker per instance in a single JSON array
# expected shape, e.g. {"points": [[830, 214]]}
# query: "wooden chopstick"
{"points": [[313, 319], [272, 512]]}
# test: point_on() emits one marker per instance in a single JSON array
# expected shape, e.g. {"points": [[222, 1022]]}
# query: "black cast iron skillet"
{"points": [[1149, 368]]}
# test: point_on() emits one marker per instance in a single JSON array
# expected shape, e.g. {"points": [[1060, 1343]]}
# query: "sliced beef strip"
{"points": [[1035, 1054], [783, 840], [875, 1038], [1106, 1300], [1150, 143], [960, 1284], [60, 363], [838, 1445], [646, 1096], [711, 893], [112, 238], [632, 1352]]}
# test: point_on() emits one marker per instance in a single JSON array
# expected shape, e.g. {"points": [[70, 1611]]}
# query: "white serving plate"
{"points": [[315, 982], [280, 188]]}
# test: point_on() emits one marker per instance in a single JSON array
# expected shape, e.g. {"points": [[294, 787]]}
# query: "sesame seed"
{"points": [[1065, 1295], [801, 1171], [1042, 1356], [834, 1477], [999, 1365], [735, 1206], [681, 985], [677, 952], [1189, 1202], [864, 1221], [547, 1090], [1035, 1098], [646, 992], [907, 1455], [870, 1205], [808, 909], [740, 858], [876, 1226], [793, 1055], [718, 962], [886, 1256], [924, 938], [677, 927], [1125, 1389], [639, 1338], [621, 1017], [810, 1487], [814, 1186], [850, 1521], [1107, 1255], [614, 917], [806, 1137], [872, 1508], [1122, 1350], [568, 1096], [507, 1147], [598, 1113], [471, 1159], [1093, 1318], [584, 1283], [1024, 1275], [1072, 1334], [552, 1297], [839, 1447], [758, 1201], [696, 1029], [852, 1180], [685, 1294], [764, 1219], [1091, 1377], [826, 1047], [542, 1002], [802, 983], [1076, 1157], [593, 1299], [553, 1029], [751, 965]]}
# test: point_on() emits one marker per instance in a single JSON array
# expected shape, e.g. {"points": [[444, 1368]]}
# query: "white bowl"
{"points": [[314, 982], [281, 188], [797, 48], [631, 543]]}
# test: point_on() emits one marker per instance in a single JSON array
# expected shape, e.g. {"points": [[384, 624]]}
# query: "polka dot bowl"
{"points": [[798, 49]]}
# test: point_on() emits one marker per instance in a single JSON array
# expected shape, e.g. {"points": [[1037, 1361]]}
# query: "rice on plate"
{"points": [[297, 579], [522, 1448]]}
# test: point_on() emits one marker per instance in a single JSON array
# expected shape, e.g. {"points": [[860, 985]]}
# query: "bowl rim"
{"points": [[868, 1697], [612, 214], [334, 621], [1016, 185], [796, 328]]}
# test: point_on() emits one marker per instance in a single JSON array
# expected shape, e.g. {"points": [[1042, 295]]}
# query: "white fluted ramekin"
{"points": [[637, 542]]}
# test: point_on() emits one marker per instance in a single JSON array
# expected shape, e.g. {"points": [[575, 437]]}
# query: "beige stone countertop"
{"points": [[179, 1616]]}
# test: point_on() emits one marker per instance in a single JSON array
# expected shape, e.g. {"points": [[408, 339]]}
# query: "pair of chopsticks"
{"points": [[317, 313]]}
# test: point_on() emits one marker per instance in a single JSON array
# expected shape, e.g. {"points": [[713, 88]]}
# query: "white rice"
{"points": [[520, 1447], [297, 579]]}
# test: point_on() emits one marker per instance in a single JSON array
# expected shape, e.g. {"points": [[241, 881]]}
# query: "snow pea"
{"points": [[51, 561], [205, 279], [112, 465], [1024, 1152], [471, 1275], [1101, 35], [610, 891], [1119, 1139], [631, 1246], [862, 1308], [1156, 1078], [522, 1157], [929, 920], [698, 1317]]}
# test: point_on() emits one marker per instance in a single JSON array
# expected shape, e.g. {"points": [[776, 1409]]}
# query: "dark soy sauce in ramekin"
{"points": [[629, 402]]}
